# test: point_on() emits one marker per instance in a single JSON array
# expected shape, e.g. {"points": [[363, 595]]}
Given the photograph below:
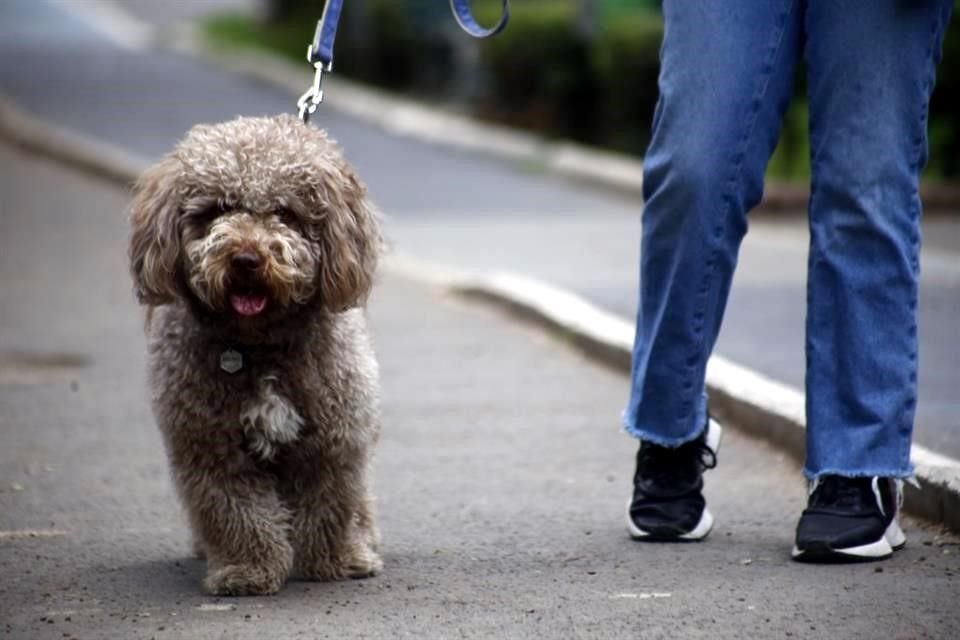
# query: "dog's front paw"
{"points": [[368, 531], [243, 580], [363, 562], [356, 561]]}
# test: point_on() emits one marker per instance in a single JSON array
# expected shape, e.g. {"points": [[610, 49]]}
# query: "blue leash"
{"points": [[320, 51]]}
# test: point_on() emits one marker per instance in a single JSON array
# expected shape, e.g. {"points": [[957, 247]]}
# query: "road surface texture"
{"points": [[501, 478]]}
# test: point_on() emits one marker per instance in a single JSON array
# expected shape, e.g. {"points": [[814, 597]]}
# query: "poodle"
{"points": [[253, 246]]}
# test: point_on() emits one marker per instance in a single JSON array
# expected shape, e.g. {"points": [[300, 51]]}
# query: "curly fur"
{"points": [[271, 461]]}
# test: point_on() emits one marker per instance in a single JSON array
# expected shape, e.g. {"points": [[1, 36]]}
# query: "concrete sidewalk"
{"points": [[501, 476]]}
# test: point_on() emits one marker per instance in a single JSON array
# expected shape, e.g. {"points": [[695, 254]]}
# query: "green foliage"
{"points": [[385, 55], [618, 76], [288, 38], [546, 74], [791, 159], [626, 61], [539, 71], [945, 106], [284, 10]]}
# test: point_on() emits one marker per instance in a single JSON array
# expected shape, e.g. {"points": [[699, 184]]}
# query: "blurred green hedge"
{"points": [[945, 106], [552, 73], [547, 75], [552, 70]]}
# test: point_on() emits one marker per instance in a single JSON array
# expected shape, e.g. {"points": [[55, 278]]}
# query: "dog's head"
{"points": [[253, 218]]}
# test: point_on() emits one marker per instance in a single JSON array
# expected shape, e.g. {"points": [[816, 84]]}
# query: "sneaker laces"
{"points": [[847, 492], [839, 491]]}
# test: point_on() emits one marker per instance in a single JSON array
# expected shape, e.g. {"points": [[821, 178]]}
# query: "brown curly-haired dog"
{"points": [[254, 247]]}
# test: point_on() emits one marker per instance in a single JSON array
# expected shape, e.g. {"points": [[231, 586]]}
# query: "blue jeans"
{"points": [[727, 74]]}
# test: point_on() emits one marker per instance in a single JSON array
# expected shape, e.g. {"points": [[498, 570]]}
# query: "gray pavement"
{"points": [[466, 209], [501, 482]]}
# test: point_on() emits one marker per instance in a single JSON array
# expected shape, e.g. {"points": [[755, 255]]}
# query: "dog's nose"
{"points": [[245, 260]]}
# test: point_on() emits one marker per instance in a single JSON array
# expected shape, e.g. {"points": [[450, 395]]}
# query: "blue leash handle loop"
{"points": [[464, 16]]}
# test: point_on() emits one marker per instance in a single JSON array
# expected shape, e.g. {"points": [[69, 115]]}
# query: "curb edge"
{"points": [[44, 138]]}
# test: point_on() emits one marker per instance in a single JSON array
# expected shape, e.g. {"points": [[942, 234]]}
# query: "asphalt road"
{"points": [[500, 476]]}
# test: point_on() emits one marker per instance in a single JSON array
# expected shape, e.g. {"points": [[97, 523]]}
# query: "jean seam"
{"points": [[735, 183]]}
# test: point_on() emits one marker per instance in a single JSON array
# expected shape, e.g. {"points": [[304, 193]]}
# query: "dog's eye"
{"points": [[206, 212], [286, 216]]}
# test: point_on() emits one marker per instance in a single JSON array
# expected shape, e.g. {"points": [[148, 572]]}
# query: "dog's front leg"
{"points": [[243, 527], [333, 528]]}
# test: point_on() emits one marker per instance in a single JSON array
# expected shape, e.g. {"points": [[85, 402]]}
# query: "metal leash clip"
{"points": [[320, 55], [312, 97]]}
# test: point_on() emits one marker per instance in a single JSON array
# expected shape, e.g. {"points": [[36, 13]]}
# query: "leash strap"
{"points": [[320, 51], [322, 48], [464, 16]]}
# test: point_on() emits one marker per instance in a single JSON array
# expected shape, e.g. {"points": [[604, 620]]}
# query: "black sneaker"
{"points": [[668, 502], [850, 519]]}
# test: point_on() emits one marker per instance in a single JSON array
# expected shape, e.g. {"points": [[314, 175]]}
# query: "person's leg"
{"points": [[870, 73], [727, 70], [726, 76]]}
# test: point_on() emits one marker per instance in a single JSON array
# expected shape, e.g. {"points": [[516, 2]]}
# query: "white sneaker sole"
{"points": [[697, 533], [892, 539], [705, 525]]}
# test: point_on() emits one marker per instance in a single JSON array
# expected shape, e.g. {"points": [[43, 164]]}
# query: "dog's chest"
{"points": [[269, 418]]}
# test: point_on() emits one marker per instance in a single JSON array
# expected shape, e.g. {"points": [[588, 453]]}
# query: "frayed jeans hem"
{"points": [[899, 474]]}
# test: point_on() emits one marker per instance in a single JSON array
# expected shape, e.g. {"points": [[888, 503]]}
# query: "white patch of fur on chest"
{"points": [[269, 420]]}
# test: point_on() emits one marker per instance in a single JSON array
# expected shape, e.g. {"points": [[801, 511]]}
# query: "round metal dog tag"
{"points": [[231, 361]]}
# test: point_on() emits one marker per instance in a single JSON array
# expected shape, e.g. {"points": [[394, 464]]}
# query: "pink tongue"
{"points": [[248, 305]]}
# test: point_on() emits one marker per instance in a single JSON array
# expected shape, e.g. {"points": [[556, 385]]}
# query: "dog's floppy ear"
{"points": [[155, 236], [350, 243]]}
